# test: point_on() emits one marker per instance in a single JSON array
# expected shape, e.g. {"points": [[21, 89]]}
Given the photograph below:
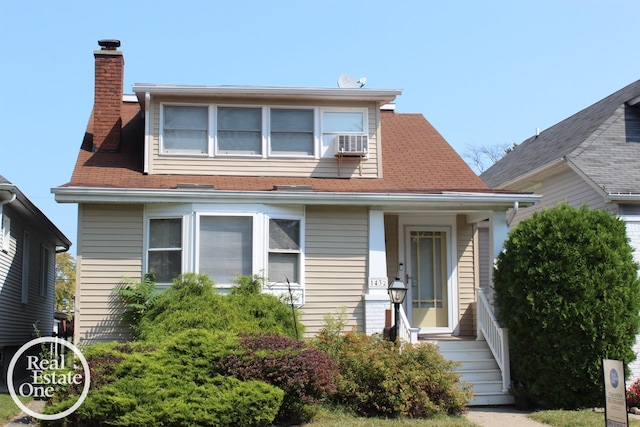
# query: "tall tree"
{"points": [[65, 286], [481, 158]]}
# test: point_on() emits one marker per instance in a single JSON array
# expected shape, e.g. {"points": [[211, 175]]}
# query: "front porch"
{"points": [[445, 262]]}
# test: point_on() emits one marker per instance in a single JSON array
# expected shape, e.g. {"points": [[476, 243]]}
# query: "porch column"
{"points": [[376, 298]]}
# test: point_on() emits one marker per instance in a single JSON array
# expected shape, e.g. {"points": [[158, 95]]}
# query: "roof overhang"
{"points": [[621, 198], [382, 96], [29, 211], [435, 201], [531, 178]]}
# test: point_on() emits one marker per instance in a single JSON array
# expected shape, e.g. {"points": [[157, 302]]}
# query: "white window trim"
{"points": [[147, 236], [214, 130], [257, 242], [301, 252], [191, 153], [316, 138], [365, 119]]}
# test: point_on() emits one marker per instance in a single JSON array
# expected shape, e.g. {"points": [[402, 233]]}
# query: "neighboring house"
{"points": [[591, 158], [327, 190], [28, 246]]}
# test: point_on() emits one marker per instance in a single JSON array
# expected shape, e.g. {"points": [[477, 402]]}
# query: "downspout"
{"points": [[147, 132], [513, 214]]}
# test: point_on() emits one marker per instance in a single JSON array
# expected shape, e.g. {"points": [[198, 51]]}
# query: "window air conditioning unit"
{"points": [[351, 145]]}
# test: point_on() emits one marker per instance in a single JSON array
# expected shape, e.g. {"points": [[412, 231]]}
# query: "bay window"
{"points": [[284, 250], [165, 249], [225, 247]]}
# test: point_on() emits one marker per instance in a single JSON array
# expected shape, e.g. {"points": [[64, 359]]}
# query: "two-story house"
{"points": [[29, 242], [326, 190]]}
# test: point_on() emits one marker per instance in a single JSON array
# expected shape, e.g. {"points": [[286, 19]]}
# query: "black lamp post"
{"points": [[397, 292]]}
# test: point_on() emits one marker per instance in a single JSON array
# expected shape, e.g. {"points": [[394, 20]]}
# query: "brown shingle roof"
{"points": [[415, 159]]}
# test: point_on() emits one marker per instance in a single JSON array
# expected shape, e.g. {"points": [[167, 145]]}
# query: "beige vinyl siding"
{"points": [[17, 320], [566, 186], [466, 276], [392, 246], [109, 251], [336, 250], [257, 166]]}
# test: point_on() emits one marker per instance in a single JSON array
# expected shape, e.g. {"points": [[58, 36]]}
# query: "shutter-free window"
{"points": [[185, 129], [292, 132], [343, 122], [239, 130], [225, 249], [284, 250], [165, 249]]}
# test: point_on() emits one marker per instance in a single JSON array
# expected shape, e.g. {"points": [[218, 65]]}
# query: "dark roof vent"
{"points": [[110, 44]]}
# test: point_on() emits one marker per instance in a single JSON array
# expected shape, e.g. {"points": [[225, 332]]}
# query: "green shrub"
{"points": [[304, 373], [568, 291], [172, 384], [192, 302], [377, 378]]}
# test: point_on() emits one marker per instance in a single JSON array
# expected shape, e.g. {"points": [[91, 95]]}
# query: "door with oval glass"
{"points": [[427, 277]]}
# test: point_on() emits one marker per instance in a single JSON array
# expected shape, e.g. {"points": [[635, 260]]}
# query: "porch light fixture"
{"points": [[397, 292]]}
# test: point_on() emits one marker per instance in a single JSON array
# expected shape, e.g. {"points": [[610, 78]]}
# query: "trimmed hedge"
{"points": [[568, 290]]}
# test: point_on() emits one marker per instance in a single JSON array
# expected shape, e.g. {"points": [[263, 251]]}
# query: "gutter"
{"points": [[62, 242], [449, 200]]}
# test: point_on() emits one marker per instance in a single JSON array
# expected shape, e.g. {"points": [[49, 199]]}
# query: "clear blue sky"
{"points": [[482, 72]]}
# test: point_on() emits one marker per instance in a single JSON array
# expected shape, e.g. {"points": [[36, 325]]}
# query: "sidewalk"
{"points": [[23, 419], [501, 416]]}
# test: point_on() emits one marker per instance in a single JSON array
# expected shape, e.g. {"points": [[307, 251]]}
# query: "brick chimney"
{"points": [[107, 121]]}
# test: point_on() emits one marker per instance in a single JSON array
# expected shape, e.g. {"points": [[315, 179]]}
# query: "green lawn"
{"points": [[8, 408], [329, 418], [584, 418]]}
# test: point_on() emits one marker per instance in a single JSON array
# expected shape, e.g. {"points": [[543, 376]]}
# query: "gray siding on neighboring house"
{"points": [[274, 166], [21, 322], [335, 265], [110, 250], [566, 186]]}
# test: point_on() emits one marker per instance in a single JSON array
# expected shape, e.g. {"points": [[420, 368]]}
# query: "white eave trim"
{"points": [[384, 96], [448, 201], [622, 198]]}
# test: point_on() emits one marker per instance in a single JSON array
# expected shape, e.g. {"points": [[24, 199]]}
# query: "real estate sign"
{"points": [[615, 410]]}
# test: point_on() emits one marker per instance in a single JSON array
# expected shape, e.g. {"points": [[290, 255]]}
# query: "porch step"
{"points": [[478, 367]]}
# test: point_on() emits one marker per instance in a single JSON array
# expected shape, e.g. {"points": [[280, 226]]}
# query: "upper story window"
{"points": [[261, 131], [292, 132], [165, 249], [185, 129], [343, 121], [239, 130]]}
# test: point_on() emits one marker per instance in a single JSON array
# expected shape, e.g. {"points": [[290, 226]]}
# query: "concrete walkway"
{"points": [[23, 419], [500, 416]]}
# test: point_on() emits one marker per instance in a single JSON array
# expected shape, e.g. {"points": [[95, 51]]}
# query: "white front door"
{"points": [[427, 274]]}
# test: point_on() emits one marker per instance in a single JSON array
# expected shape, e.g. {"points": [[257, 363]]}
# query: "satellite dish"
{"points": [[347, 81]]}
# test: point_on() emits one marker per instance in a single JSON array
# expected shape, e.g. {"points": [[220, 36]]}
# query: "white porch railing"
{"points": [[497, 338], [405, 332]]}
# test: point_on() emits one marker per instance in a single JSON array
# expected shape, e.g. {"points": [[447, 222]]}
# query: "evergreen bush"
{"points": [[567, 289], [193, 302], [171, 384]]}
